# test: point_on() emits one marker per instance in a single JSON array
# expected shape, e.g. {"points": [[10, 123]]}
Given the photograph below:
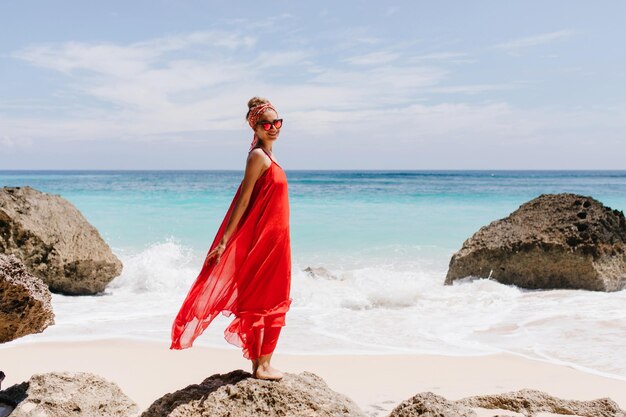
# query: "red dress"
{"points": [[253, 277]]}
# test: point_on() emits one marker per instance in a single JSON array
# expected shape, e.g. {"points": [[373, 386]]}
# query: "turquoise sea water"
{"points": [[346, 212], [385, 236]]}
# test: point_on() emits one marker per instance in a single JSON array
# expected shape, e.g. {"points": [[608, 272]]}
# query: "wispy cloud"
{"points": [[398, 80], [194, 86], [391, 11], [373, 58], [449, 57], [471, 88], [6, 141], [283, 59], [113, 59], [148, 88], [535, 40]]}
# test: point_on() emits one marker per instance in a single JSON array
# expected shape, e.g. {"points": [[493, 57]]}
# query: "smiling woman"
{"points": [[247, 271]]}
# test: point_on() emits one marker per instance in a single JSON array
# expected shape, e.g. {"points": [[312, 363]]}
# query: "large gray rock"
{"points": [[530, 402], [55, 242], [24, 301], [68, 394], [525, 402], [427, 404], [552, 241], [236, 394]]}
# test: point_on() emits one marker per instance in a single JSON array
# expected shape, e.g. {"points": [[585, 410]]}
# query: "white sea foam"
{"points": [[379, 305], [160, 268]]}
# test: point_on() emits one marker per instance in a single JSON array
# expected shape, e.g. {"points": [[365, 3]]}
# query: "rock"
{"points": [[530, 402], [25, 301], [525, 402], [237, 394], [55, 242], [319, 272], [5, 410], [553, 241], [427, 404], [68, 394]]}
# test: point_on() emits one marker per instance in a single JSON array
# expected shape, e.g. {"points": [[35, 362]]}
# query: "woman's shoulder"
{"points": [[258, 161], [257, 154]]}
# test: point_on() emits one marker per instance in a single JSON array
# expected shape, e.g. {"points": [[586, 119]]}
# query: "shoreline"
{"points": [[147, 370]]}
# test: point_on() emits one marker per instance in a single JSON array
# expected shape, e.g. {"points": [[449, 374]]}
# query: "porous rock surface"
{"points": [[237, 394], [25, 306], [553, 241], [55, 242], [428, 404], [526, 402], [530, 402], [68, 394]]}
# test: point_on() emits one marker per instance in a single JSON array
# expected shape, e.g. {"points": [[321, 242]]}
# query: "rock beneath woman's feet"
{"points": [[530, 402], [68, 394], [427, 404], [55, 242], [553, 241], [25, 306], [237, 394]]}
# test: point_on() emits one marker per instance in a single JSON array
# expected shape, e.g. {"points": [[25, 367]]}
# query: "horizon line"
{"points": [[317, 169]]}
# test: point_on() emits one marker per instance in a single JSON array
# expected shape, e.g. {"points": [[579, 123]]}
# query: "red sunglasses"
{"points": [[268, 125]]}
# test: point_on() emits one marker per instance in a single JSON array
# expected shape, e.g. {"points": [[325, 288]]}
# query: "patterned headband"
{"points": [[254, 116]]}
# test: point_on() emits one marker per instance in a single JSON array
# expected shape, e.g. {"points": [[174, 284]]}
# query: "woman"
{"points": [[247, 271]]}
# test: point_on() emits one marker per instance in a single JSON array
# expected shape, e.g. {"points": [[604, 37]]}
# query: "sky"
{"points": [[420, 85]]}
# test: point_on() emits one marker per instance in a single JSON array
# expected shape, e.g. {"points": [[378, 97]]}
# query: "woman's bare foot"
{"points": [[268, 372]]}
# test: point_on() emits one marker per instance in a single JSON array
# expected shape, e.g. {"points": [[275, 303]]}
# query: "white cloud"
{"points": [[535, 40], [142, 91], [282, 59], [373, 58], [98, 58], [449, 57], [471, 88], [395, 80], [6, 141], [123, 60], [391, 11], [267, 23]]}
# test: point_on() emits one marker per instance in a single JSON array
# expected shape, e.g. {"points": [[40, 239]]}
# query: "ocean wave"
{"points": [[163, 267]]}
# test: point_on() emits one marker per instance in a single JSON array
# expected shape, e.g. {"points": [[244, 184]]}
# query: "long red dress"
{"points": [[253, 277]]}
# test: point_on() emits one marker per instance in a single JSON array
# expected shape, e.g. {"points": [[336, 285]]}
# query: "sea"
{"points": [[385, 239]]}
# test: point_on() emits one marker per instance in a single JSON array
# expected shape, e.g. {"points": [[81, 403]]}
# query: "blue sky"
{"points": [[360, 84]]}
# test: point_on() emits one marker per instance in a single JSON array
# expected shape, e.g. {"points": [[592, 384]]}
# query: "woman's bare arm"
{"points": [[255, 165]]}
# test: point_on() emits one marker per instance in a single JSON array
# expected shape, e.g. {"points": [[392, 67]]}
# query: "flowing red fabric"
{"points": [[253, 277]]}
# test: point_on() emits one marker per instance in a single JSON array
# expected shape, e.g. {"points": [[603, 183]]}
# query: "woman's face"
{"points": [[267, 135]]}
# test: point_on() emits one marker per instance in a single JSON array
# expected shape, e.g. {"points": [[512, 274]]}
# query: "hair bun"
{"points": [[255, 101]]}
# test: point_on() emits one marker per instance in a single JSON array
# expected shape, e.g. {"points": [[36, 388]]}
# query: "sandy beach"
{"points": [[147, 370]]}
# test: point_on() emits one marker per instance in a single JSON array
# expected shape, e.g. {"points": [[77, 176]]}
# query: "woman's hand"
{"points": [[215, 253]]}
